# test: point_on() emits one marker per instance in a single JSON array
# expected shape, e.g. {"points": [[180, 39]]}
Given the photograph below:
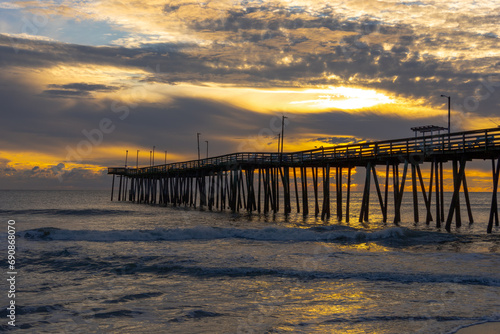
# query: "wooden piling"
{"points": [[365, 202], [305, 202], [338, 172], [397, 208], [455, 202], [414, 191], [315, 185], [325, 214], [379, 194], [348, 199], [296, 190], [112, 187], [494, 201]]}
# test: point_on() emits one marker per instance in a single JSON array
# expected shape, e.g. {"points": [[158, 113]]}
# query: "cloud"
{"points": [[76, 90], [84, 87], [220, 68], [65, 93]]}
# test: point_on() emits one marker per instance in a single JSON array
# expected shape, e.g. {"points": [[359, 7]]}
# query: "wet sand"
{"points": [[486, 328]]}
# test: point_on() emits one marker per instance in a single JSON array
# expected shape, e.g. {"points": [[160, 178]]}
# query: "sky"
{"points": [[82, 82]]}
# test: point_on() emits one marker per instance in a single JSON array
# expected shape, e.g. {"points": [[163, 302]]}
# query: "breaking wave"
{"points": [[336, 234]]}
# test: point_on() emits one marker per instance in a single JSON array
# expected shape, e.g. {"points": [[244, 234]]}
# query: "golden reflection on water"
{"points": [[332, 302]]}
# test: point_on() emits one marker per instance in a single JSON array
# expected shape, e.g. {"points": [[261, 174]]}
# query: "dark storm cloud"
{"points": [[39, 54], [65, 93], [84, 87], [76, 90], [53, 177]]}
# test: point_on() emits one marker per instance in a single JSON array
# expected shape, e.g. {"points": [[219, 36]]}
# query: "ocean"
{"points": [[85, 264]]}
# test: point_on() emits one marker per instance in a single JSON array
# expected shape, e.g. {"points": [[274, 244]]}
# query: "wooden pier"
{"points": [[263, 182]]}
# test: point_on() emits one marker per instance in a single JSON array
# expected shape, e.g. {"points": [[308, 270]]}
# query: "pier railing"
{"points": [[476, 142]]}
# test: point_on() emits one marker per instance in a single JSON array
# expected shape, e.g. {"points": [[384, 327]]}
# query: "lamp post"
{"points": [[282, 132], [449, 115], [126, 157], [153, 155], [150, 154], [279, 142], [198, 136], [137, 160], [206, 141], [449, 110]]}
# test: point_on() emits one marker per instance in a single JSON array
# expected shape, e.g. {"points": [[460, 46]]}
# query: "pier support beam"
{"points": [[455, 201], [348, 199], [494, 199], [365, 203], [400, 191], [379, 194], [427, 200], [296, 190], [339, 192], [305, 201], [315, 184], [325, 214], [112, 187], [414, 190]]}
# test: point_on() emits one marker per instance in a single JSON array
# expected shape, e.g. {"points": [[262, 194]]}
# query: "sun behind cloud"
{"points": [[344, 98]]}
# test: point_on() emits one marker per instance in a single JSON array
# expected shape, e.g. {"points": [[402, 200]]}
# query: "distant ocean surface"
{"points": [[89, 265]]}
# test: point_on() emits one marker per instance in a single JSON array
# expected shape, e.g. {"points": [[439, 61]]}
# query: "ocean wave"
{"points": [[334, 234], [195, 314], [161, 267], [65, 212]]}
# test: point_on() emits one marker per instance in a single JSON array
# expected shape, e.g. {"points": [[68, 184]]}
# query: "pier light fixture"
{"points": [[279, 142], [153, 155], [449, 110], [126, 158], [198, 137], [137, 160], [282, 132]]}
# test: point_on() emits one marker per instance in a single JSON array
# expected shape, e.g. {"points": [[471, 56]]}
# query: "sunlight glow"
{"points": [[345, 98]]}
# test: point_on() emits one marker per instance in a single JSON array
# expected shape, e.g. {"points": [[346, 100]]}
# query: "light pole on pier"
{"points": [[198, 137], [282, 132], [449, 116], [449, 111], [137, 160], [153, 155], [126, 157], [279, 142]]}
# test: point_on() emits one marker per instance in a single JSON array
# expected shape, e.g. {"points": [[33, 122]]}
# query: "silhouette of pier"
{"points": [[263, 182]]}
